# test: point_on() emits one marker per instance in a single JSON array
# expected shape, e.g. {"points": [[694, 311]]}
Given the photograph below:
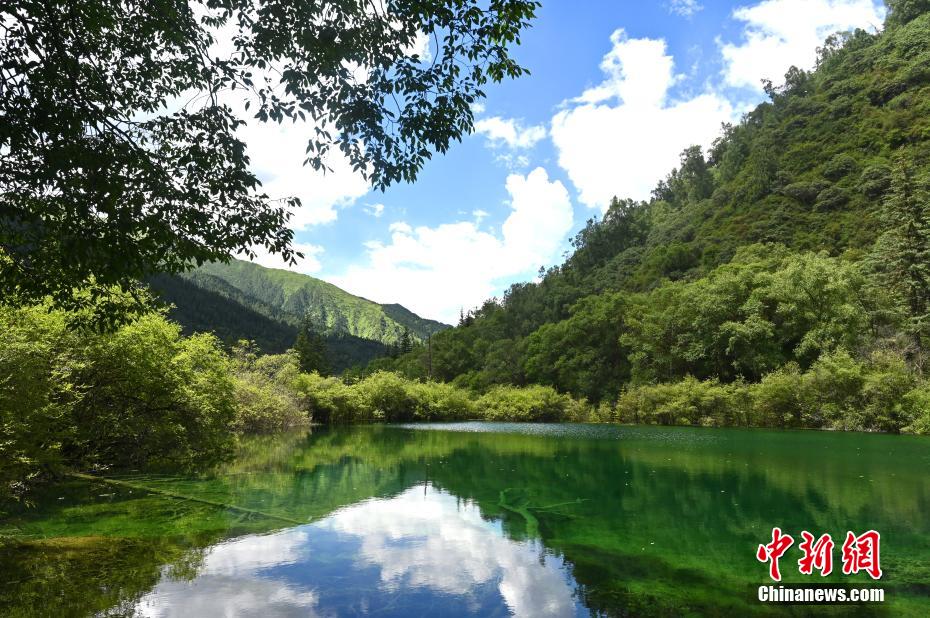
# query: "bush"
{"points": [[142, 396], [688, 402], [840, 166], [916, 404], [831, 392], [830, 198], [382, 396], [330, 401], [152, 398], [440, 401], [37, 394], [531, 403], [804, 192], [389, 396], [837, 392], [875, 180], [776, 400], [885, 387], [266, 399]]}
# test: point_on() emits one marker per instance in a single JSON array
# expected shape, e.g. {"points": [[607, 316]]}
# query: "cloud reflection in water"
{"points": [[416, 552]]}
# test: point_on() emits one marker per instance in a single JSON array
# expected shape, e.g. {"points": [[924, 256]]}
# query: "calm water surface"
{"points": [[474, 519]]}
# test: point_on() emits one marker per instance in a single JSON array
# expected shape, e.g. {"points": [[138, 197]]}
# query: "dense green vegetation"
{"points": [[107, 178], [142, 395], [241, 300], [146, 397], [798, 244], [781, 281]]}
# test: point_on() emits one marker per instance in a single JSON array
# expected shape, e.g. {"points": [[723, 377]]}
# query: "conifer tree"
{"points": [[311, 349], [902, 253], [406, 344]]}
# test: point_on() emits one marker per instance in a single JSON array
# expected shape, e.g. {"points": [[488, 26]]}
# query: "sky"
{"points": [[617, 89]]}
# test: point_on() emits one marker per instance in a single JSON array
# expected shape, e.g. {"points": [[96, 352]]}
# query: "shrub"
{"points": [[37, 394], [875, 180], [885, 387], [440, 401], [142, 396], [777, 399], [266, 399], [916, 405], [389, 396], [688, 402], [831, 392], [330, 401], [831, 198], [531, 403], [152, 398], [804, 192], [840, 166]]}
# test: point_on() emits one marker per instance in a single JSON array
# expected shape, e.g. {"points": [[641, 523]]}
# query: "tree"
{"points": [[692, 182], [902, 11], [902, 253], [311, 348], [406, 344], [119, 154]]}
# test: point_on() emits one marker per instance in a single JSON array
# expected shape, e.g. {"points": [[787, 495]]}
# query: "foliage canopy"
{"points": [[119, 153]]}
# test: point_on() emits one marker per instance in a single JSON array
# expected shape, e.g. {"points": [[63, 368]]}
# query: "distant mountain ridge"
{"points": [[242, 300]]}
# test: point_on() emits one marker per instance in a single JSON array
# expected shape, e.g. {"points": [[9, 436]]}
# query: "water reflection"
{"points": [[234, 580], [421, 552], [472, 519]]}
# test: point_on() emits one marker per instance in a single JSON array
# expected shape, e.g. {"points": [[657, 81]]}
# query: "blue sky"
{"points": [[617, 89]]}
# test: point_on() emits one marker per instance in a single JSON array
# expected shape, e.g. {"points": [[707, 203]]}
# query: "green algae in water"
{"points": [[475, 519]]}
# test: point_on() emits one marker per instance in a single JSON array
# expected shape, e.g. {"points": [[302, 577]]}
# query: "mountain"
{"points": [[700, 277], [242, 300]]}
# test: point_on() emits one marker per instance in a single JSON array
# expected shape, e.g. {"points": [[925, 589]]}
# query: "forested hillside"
{"points": [[241, 300], [801, 237]]}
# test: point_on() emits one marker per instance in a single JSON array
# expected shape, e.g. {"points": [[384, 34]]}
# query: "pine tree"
{"points": [[902, 253], [406, 344], [311, 349]]}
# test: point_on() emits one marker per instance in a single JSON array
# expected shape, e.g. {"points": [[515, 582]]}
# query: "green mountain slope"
{"points": [[810, 170], [208, 304], [241, 300]]}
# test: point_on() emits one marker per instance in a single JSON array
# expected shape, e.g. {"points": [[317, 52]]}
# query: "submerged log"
{"points": [[177, 496]]}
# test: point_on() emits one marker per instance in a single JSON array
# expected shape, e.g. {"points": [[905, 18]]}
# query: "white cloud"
{"points": [[782, 33], [436, 270], [507, 131], [421, 540], [308, 264], [437, 541], [277, 152], [230, 582], [375, 210], [421, 47], [685, 8], [623, 135]]}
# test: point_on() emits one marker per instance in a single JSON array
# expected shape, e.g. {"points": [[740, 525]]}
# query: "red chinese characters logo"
{"points": [[859, 553], [817, 555], [773, 551]]}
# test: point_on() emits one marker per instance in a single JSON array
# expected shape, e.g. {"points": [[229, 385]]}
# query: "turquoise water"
{"points": [[475, 519]]}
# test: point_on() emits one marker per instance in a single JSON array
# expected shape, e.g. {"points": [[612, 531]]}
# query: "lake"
{"points": [[475, 519]]}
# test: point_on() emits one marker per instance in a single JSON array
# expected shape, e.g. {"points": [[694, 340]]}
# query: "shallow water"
{"points": [[475, 519]]}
